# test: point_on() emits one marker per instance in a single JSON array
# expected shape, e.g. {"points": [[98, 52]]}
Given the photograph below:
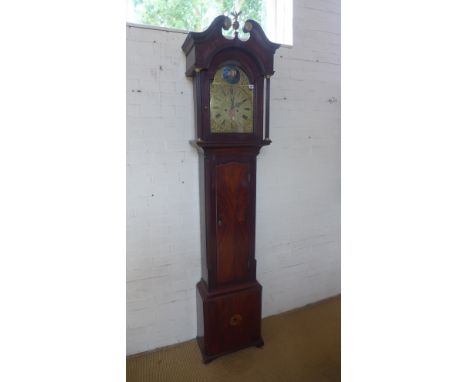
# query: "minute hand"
{"points": [[240, 103]]}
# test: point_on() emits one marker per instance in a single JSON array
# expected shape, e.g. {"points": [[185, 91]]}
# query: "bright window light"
{"points": [[275, 16]]}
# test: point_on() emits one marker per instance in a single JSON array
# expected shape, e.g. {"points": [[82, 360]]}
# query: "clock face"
{"points": [[231, 101]]}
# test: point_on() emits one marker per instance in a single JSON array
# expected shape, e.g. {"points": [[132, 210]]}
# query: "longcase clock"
{"points": [[231, 79]]}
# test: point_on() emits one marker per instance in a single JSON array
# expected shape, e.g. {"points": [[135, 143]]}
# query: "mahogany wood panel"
{"points": [[232, 216], [229, 180], [232, 320]]}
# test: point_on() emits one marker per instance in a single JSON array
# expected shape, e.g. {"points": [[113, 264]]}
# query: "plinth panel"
{"points": [[231, 320]]}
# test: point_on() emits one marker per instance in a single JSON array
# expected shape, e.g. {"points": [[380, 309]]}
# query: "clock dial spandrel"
{"points": [[231, 101]]}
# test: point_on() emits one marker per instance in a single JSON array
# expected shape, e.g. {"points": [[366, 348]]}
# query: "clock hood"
{"points": [[201, 47]]}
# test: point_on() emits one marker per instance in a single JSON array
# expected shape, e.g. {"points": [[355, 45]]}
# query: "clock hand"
{"points": [[240, 103]]}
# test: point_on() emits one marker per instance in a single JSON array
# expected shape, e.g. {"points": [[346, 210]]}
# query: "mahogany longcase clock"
{"points": [[231, 93]]}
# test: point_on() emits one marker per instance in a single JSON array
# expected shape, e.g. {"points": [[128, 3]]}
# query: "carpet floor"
{"points": [[301, 345]]}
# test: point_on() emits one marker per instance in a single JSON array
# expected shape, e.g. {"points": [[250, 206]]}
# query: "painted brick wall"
{"points": [[298, 181]]}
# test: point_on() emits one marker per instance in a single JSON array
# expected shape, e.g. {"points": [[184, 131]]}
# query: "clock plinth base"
{"points": [[208, 358], [228, 320]]}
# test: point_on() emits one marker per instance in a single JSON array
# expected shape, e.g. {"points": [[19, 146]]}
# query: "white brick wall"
{"points": [[298, 179]]}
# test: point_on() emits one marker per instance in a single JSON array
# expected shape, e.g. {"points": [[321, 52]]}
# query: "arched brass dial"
{"points": [[231, 101]]}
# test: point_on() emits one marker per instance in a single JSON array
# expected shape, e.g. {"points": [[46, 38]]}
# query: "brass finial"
{"points": [[235, 24]]}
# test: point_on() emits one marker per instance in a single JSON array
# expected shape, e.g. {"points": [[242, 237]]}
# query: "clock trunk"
{"points": [[233, 213]]}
